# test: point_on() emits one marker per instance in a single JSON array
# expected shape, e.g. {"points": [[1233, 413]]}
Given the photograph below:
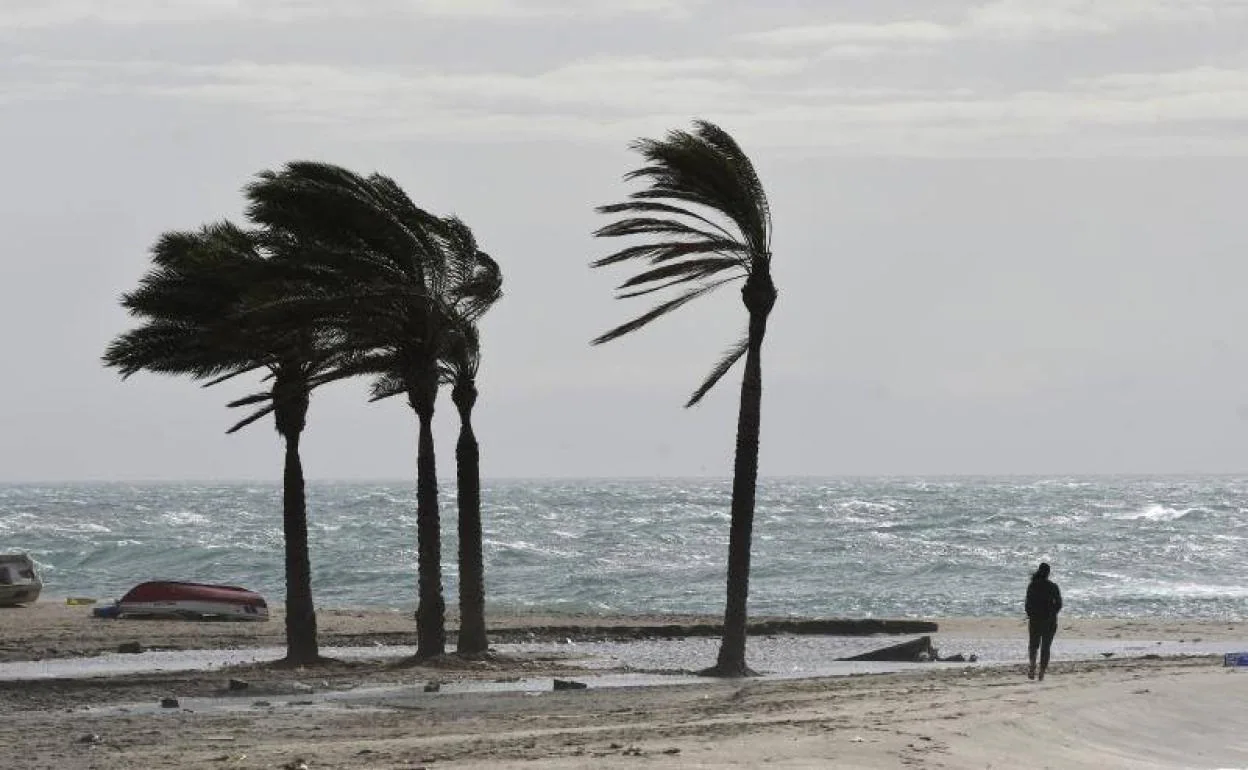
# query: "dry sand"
{"points": [[1136, 713]]}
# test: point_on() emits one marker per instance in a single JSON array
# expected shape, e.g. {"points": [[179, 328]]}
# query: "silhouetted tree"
{"points": [[706, 222], [198, 283]]}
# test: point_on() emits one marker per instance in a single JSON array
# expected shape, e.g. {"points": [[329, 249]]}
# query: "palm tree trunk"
{"points": [[431, 608], [759, 295], [472, 637], [301, 642]]}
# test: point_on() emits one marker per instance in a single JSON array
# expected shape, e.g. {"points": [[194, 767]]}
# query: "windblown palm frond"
{"points": [[196, 281], [706, 221], [193, 304]]}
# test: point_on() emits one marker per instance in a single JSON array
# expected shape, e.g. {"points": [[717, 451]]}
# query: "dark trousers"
{"points": [[1040, 633]]}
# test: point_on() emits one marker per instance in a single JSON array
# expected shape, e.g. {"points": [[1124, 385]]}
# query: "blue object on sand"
{"points": [[1235, 659], [109, 611]]}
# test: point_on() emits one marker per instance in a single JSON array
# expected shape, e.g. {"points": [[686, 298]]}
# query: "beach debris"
{"points": [[433, 686], [76, 601], [568, 684], [296, 764], [261, 704], [914, 651], [672, 750], [1235, 659], [301, 687], [235, 685], [169, 703], [1107, 654], [129, 648], [958, 658], [90, 738]]}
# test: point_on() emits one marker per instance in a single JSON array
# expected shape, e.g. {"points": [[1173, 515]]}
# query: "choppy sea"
{"points": [[883, 547]]}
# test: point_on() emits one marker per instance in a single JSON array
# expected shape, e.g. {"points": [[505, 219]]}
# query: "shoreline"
{"points": [[50, 631]]}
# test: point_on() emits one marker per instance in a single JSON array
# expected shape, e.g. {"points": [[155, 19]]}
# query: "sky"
{"points": [[1009, 234]]}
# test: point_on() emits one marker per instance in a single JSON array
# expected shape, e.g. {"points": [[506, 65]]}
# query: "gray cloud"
{"points": [[1009, 235]]}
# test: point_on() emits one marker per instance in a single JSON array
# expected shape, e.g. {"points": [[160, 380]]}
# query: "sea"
{"points": [[1156, 547]]}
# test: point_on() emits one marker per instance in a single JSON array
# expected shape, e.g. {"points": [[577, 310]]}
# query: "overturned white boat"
{"points": [[19, 580]]}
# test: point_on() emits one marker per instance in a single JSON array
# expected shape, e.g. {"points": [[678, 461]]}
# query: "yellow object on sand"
{"points": [[77, 600]]}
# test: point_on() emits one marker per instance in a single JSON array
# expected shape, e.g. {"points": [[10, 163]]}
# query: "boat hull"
{"points": [[19, 581], [192, 601]]}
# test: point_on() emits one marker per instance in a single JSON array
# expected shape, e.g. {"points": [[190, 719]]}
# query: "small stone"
{"points": [[672, 750], [129, 648], [237, 684], [568, 684], [90, 738], [260, 704], [433, 686], [169, 703]]}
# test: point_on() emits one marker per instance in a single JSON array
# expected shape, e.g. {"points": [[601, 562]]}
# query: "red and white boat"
{"points": [[191, 601]]}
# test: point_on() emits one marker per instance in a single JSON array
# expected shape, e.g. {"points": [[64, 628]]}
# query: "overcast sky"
{"points": [[1010, 236]]}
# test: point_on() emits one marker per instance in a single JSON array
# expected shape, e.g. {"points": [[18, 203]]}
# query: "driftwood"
{"points": [[913, 651]]}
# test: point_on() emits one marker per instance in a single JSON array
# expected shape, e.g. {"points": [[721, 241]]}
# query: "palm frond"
{"points": [[259, 414], [665, 251], [689, 270], [660, 226], [725, 364], [254, 398], [639, 205], [659, 311], [387, 385]]}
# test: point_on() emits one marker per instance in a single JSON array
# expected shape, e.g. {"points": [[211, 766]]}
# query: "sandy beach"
{"points": [[1137, 712]]}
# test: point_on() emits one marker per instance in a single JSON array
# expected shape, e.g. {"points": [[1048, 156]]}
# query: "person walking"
{"points": [[1044, 601]]}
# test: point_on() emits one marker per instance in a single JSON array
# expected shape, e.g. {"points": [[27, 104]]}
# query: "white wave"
{"points": [[865, 506], [1155, 512], [1166, 590], [184, 518]]}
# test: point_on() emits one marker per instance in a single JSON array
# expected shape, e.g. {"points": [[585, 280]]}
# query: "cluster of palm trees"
{"points": [[339, 276], [342, 275]]}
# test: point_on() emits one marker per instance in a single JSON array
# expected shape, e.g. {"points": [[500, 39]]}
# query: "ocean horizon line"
{"points": [[449, 480]]}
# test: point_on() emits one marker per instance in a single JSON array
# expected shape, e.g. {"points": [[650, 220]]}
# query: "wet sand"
{"points": [[1164, 712]]}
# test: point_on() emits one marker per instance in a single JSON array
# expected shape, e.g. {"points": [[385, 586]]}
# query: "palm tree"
{"points": [[474, 285], [707, 221], [388, 285], [198, 282]]}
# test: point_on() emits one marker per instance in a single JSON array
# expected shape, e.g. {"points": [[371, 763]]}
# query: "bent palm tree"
{"points": [[706, 216], [198, 281]]}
